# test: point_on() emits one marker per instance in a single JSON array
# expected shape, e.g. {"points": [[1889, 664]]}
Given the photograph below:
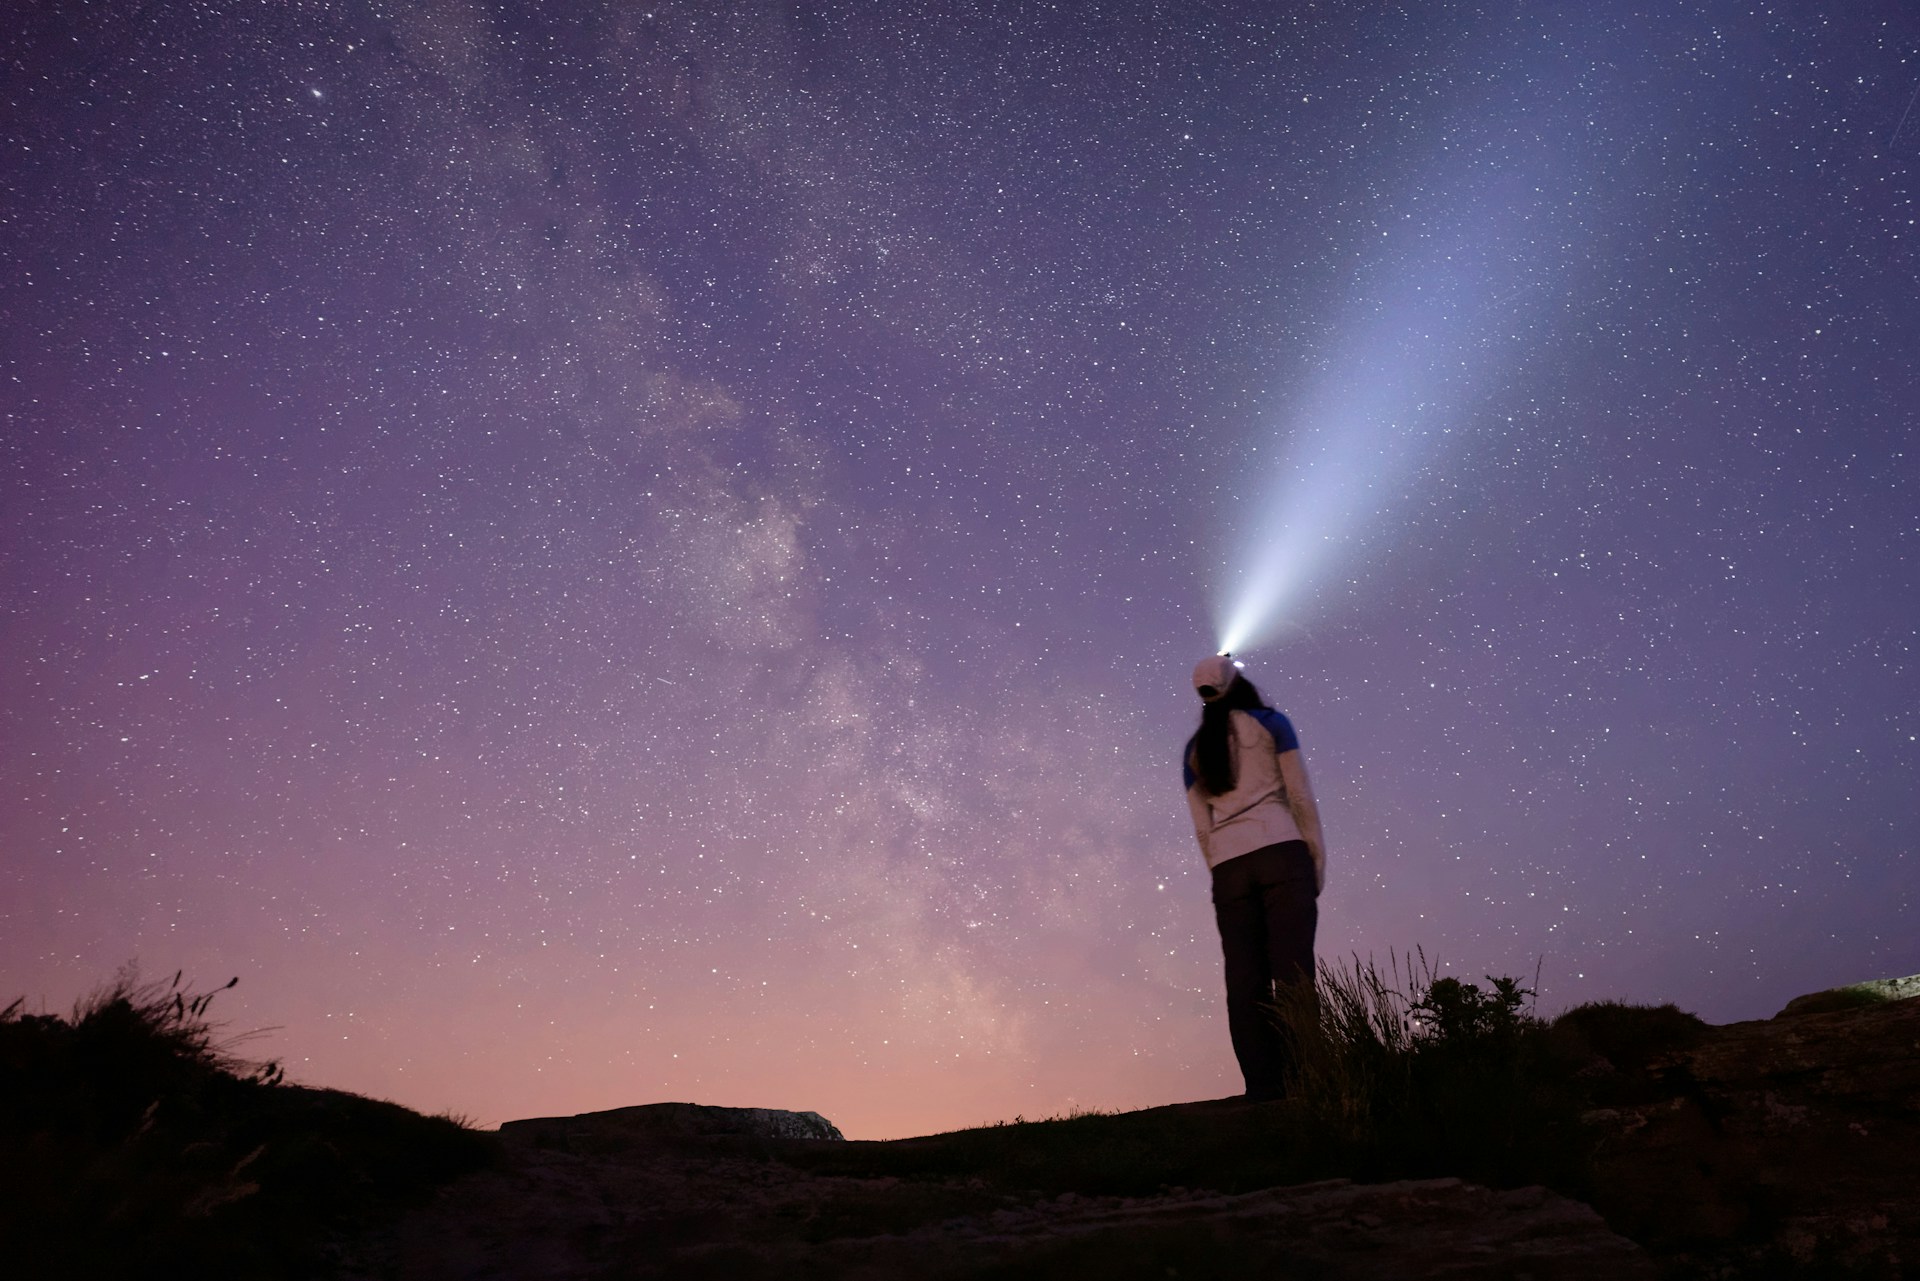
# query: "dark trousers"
{"points": [[1267, 907]]}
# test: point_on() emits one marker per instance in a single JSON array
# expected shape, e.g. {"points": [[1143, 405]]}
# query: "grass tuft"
{"points": [[135, 1141], [1408, 1072]]}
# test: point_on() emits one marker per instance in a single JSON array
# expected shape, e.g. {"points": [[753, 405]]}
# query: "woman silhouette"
{"points": [[1254, 816]]}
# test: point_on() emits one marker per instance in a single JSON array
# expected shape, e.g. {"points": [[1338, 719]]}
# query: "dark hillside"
{"points": [[1436, 1127], [133, 1144]]}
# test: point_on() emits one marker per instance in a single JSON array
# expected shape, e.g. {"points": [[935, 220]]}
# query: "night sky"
{"points": [[597, 554]]}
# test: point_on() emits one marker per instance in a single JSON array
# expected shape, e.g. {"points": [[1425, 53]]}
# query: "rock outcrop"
{"points": [[620, 1127], [1333, 1230], [1853, 996], [559, 1217], [1784, 1146]]}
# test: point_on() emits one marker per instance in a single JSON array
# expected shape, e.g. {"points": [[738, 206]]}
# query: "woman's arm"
{"points": [[1306, 815], [1197, 807], [1202, 822]]}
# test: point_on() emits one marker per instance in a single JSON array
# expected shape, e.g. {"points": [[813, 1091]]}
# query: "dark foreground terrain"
{"points": [[1630, 1142], [1786, 1147]]}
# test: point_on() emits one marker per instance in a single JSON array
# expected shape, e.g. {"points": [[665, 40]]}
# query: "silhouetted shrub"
{"points": [[1609, 1047], [1629, 1037], [1413, 1073]]}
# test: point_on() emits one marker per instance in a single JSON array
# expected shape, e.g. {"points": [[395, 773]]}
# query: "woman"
{"points": [[1254, 815]]}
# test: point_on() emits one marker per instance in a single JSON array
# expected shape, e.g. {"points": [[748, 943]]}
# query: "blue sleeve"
{"points": [[1284, 739]]}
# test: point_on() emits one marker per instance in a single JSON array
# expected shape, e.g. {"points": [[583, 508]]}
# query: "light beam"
{"points": [[1436, 316]]}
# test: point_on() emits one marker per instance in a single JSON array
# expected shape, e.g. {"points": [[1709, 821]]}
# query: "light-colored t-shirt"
{"points": [[1254, 814]]}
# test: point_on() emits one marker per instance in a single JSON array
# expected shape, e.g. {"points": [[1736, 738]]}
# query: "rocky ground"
{"points": [[1786, 1146], [1782, 1147]]}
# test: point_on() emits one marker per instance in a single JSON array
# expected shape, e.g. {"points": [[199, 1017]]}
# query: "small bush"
{"points": [[1610, 1046], [1450, 1012]]}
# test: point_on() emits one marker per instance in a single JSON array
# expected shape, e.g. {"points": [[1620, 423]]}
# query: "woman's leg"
{"points": [[1291, 904], [1239, 909], [1265, 905]]}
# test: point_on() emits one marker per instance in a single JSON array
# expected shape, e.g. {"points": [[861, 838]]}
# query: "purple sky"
{"points": [[634, 554]]}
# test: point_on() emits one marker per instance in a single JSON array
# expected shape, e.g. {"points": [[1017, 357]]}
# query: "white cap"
{"points": [[1213, 674]]}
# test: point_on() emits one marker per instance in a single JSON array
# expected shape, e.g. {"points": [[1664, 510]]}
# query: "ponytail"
{"points": [[1211, 747]]}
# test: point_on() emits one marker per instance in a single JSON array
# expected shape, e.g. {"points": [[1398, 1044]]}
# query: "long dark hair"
{"points": [[1211, 747]]}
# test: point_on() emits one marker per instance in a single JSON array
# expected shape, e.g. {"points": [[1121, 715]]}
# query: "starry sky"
{"points": [[605, 553]]}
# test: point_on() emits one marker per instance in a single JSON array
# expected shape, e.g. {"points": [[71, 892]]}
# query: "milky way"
{"points": [[597, 554]]}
